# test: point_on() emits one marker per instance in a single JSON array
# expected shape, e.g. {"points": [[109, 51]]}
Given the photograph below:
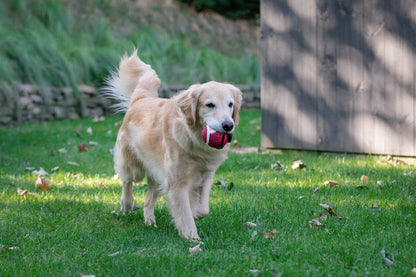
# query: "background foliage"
{"points": [[235, 9], [65, 43]]}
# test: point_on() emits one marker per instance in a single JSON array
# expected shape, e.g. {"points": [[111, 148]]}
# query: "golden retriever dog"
{"points": [[162, 138]]}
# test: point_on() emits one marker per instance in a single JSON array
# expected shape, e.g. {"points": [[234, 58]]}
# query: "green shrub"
{"points": [[51, 43]]}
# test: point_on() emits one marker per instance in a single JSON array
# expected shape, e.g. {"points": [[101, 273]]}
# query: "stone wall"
{"points": [[28, 103]]}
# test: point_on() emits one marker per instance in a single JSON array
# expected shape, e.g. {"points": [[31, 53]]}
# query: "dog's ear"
{"points": [[238, 98], [187, 101]]}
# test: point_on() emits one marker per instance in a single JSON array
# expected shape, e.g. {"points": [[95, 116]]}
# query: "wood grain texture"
{"points": [[339, 75]]}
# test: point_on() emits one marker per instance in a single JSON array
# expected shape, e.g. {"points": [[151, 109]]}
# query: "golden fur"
{"points": [[161, 137]]}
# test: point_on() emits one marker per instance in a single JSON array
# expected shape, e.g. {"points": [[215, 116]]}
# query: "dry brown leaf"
{"points": [[322, 216], [195, 249], [298, 165], [21, 192], [269, 234], [315, 223], [330, 210], [364, 178], [83, 147], [278, 166], [250, 224], [236, 143], [42, 183], [331, 183], [8, 247], [254, 272], [78, 132], [386, 258]]}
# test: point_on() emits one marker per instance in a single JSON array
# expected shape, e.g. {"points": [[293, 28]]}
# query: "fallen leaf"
{"points": [[315, 189], [322, 217], [386, 258], [78, 133], [236, 143], [330, 210], [83, 147], [89, 131], [364, 178], [42, 183], [269, 234], [278, 166], [362, 187], [331, 183], [8, 247], [315, 223], [251, 224], [254, 272], [225, 185], [195, 249], [135, 206], [298, 165], [114, 254], [21, 192], [41, 171]]}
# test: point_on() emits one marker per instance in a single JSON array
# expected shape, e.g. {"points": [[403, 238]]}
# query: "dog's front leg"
{"points": [[178, 201], [127, 198]]}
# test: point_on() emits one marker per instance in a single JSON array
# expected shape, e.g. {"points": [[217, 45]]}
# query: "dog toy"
{"points": [[215, 139]]}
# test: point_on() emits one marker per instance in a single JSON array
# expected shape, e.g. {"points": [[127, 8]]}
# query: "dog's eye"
{"points": [[210, 105], [230, 105]]}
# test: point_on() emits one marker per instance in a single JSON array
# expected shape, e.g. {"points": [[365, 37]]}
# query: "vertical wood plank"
{"points": [[339, 75], [327, 77]]}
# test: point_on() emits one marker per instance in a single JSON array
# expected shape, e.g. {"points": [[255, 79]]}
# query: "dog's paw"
{"points": [[127, 208], [150, 221]]}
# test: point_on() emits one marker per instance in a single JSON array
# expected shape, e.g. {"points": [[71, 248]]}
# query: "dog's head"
{"points": [[214, 104]]}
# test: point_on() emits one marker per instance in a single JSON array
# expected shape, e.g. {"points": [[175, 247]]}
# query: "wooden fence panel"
{"points": [[339, 75]]}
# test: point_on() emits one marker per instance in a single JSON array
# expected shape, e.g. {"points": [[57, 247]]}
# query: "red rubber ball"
{"points": [[213, 138]]}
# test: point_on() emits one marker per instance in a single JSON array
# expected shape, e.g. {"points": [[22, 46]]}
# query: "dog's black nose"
{"points": [[227, 125]]}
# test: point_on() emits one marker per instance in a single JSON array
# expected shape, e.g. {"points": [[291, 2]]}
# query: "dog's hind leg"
{"points": [[153, 194]]}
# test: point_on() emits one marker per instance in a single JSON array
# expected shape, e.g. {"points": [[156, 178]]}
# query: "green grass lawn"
{"points": [[70, 230]]}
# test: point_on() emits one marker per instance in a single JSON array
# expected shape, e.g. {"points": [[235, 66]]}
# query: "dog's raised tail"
{"points": [[133, 80]]}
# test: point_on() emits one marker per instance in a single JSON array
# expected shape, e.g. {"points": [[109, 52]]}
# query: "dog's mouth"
{"points": [[214, 138]]}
